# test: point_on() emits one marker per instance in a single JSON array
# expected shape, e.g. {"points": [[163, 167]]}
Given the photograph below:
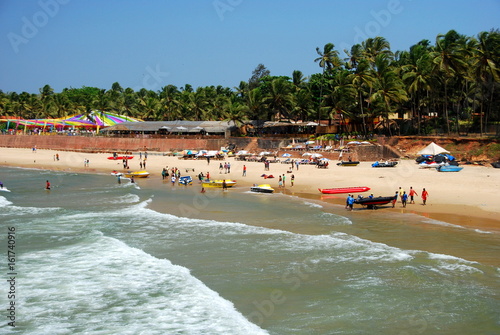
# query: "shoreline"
{"points": [[468, 198]]}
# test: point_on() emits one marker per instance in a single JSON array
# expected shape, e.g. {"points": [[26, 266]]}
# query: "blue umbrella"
{"points": [[286, 155]]}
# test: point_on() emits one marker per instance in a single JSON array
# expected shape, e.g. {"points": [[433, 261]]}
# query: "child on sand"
{"points": [[425, 194]]}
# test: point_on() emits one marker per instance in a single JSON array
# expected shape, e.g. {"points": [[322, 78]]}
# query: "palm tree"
{"points": [[485, 65], [362, 79], [279, 99], [448, 60], [328, 59], [388, 87]]}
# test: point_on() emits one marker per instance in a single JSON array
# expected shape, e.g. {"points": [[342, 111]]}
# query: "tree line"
{"points": [[448, 85]]}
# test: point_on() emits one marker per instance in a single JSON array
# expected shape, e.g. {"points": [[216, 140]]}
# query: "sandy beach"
{"points": [[470, 196]]}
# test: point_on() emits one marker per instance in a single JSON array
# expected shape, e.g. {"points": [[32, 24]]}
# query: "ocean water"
{"points": [[97, 257]]}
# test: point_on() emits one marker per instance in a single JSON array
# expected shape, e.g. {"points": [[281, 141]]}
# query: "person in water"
{"points": [[47, 185], [1, 184]]}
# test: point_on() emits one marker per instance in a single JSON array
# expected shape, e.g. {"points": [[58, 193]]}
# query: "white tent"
{"points": [[432, 149]]}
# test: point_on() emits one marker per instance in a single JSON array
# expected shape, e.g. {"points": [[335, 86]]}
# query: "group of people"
{"points": [[226, 167], [403, 196]]}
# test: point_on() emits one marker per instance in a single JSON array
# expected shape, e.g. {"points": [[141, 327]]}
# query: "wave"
{"points": [[103, 285]]}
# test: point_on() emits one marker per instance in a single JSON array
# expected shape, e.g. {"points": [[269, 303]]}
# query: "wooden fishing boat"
{"points": [[348, 163], [218, 183], [338, 190]]}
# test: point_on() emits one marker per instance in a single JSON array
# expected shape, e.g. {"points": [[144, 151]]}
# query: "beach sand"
{"points": [[469, 197]]}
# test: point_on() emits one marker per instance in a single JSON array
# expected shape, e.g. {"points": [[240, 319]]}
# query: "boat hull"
{"points": [[378, 201], [449, 168], [264, 188], [137, 174], [120, 157], [218, 183], [388, 164], [354, 163], [339, 190]]}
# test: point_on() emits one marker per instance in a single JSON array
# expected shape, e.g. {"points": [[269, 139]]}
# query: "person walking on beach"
{"points": [[140, 164], [221, 168], [401, 194], [144, 163], [412, 194], [404, 197], [280, 182], [425, 194], [173, 179], [228, 167], [47, 185], [292, 178], [395, 199], [244, 170], [284, 177], [350, 201]]}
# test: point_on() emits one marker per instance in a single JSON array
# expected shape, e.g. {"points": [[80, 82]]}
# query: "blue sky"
{"points": [[151, 44]]}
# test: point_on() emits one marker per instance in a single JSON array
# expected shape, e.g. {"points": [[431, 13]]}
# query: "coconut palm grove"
{"points": [[448, 87]]}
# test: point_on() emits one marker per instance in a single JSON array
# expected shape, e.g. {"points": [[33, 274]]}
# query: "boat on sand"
{"points": [[337, 190], [374, 202], [218, 183], [348, 163]]}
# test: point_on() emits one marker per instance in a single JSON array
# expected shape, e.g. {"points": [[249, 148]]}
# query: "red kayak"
{"points": [[120, 157], [344, 190]]}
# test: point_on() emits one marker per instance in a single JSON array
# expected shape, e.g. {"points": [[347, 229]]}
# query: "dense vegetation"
{"points": [[449, 85]]}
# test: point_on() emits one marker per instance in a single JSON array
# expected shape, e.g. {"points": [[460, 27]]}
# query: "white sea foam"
{"points": [[442, 223], [4, 202], [109, 287], [312, 204]]}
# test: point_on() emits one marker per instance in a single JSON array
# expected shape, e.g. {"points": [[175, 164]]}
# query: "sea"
{"points": [[94, 256]]}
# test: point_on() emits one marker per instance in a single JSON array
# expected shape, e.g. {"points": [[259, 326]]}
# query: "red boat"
{"points": [[338, 190], [120, 157]]}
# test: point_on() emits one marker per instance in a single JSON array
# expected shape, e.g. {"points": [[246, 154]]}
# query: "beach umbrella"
{"points": [[306, 154], [354, 142], [264, 153], [316, 155], [432, 149], [242, 152], [310, 142], [181, 128], [312, 124], [324, 159], [286, 155]]}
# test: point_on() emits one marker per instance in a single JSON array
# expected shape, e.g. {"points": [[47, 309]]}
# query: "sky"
{"points": [[150, 44]]}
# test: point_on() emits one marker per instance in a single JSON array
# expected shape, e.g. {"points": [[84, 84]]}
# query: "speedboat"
{"points": [[384, 164], [373, 202], [348, 163], [137, 174], [218, 183], [262, 188], [426, 165], [337, 190], [185, 180], [449, 168]]}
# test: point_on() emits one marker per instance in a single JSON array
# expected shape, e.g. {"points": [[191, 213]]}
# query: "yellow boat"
{"points": [[137, 174], [218, 183]]}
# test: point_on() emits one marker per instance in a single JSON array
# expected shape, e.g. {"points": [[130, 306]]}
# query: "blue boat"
{"points": [[449, 168], [186, 180]]}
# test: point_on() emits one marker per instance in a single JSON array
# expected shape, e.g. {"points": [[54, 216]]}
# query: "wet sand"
{"points": [[469, 197]]}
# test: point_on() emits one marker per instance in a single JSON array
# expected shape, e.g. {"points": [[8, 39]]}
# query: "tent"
{"points": [[432, 149]]}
